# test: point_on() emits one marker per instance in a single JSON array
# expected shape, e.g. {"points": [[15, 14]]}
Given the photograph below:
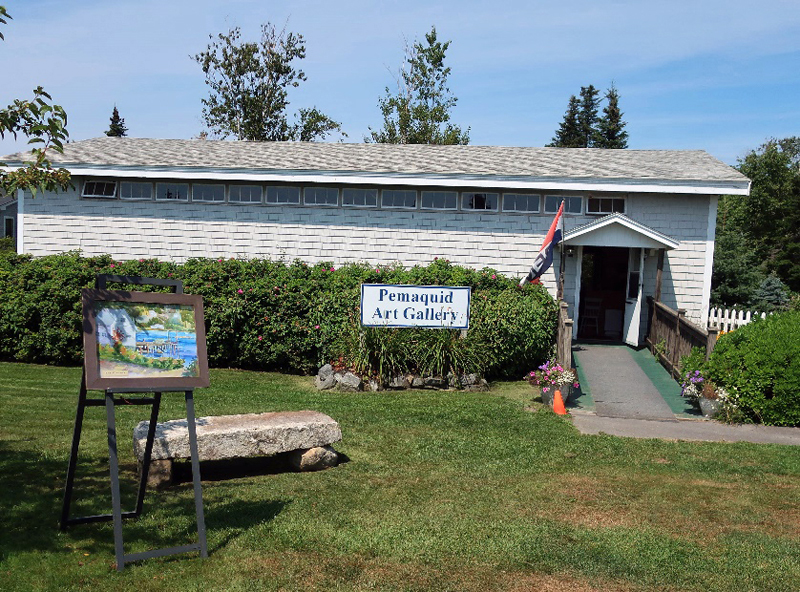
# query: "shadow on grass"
{"points": [[235, 468]]}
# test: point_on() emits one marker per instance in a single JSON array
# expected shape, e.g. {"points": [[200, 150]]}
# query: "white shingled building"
{"points": [[627, 212]]}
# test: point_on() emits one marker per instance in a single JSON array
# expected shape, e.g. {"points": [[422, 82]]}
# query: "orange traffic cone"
{"points": [[558, 403]]}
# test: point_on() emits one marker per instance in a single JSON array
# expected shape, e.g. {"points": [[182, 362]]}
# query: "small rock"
{"points": [[469, 379], [434, 382], [160, 474], [348, 382], [399, 382], [314, 459], [481, 385], [325, 379], [325, 372], [323, 384], [417, 382], [375, 385]]}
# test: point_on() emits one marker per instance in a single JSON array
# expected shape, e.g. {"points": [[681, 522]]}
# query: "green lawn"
{"points": [[442, 491]]}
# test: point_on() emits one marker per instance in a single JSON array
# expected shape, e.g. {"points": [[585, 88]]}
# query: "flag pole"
{"points": [[561, 264]]}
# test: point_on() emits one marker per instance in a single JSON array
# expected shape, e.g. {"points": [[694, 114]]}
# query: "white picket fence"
{"points": [[728, 320]]}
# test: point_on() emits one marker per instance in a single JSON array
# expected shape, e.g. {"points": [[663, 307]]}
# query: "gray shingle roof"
{"points": [[416, 160]]}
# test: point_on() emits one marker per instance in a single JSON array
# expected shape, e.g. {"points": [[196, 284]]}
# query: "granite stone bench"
{"points": [[306, 435]]}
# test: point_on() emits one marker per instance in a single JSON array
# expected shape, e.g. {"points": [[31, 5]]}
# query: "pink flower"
{"points": [[377, 270], [260, 338], [576, 385], [112, 266], [545, 389], [219, 260], [494, 277], [141, 260], [316, 326], [240, 291], [333, 269]]}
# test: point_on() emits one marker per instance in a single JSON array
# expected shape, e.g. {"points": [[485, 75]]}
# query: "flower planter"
{"points": [[710, 407], [547, 397]]}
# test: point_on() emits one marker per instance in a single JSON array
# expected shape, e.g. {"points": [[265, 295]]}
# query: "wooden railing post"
{"points": [[564, 343], [675, 356], [713, 332]]}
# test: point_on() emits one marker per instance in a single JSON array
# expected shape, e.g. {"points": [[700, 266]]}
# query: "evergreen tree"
{"points": [[610, 132], [771, 295], [420, 111], [582, 128], [568, 134], [117, 128], [587, 117]]}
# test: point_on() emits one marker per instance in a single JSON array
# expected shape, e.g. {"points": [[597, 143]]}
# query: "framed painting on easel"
{"points": [[144, 340]]}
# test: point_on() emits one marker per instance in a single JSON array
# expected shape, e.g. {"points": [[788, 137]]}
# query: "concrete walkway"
{"points": [[631, 398], [685, 429]]}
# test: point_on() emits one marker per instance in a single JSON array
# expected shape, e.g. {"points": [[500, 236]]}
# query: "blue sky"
{"points": [[721, 76]]}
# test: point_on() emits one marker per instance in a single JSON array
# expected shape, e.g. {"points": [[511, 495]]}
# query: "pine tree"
{"points": [[610, 132], [582, 128], [587, 118], [117, 128], [568, 134]]}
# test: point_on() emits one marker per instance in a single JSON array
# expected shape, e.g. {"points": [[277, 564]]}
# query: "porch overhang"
{"points": [[617, 230]]}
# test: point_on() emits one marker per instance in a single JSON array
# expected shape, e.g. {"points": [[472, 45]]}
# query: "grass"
{"points": [[442, 491]]}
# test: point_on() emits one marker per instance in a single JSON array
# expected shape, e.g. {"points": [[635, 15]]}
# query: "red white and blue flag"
{"points": [[544, 259]]}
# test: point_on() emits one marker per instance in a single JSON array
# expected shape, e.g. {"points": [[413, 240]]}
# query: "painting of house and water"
{"points": [[145, 340]]}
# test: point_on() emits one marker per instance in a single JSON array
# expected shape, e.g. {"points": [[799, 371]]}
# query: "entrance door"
{"points": [[601, 305], [633, 296]]}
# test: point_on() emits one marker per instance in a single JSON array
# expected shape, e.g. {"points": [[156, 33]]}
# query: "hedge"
{"points": [[270, 315], [759, 366]]}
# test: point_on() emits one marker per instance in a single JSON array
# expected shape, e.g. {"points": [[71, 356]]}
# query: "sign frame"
{"points": [[424, 297]]}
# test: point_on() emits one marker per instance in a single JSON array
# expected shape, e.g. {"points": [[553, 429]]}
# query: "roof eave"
{"points": [[623, 185]]}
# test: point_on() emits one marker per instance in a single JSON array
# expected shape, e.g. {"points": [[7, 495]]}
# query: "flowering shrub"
{"points": [[266, 314], [754, 371], [758, 365], [551, 374]]}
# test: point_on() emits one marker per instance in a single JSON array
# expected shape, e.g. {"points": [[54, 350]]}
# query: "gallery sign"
{"points": [[431, 307]]}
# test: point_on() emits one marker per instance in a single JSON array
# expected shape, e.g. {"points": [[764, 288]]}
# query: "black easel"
{"points": [[110, 402]]}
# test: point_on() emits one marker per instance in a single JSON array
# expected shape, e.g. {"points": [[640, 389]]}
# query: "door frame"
{"points": [[629, 335]]}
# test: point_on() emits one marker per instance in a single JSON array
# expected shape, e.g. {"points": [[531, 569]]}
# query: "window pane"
{"points": [[573, 205], [283, 195], [99, 189], [605, 205], [9, 227], [479, 201], [440, 200], [399, 198], [135, 190], [202, 192], [359, 197], [520, 202], [172, 191], [321, 196], [244, 194]]}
